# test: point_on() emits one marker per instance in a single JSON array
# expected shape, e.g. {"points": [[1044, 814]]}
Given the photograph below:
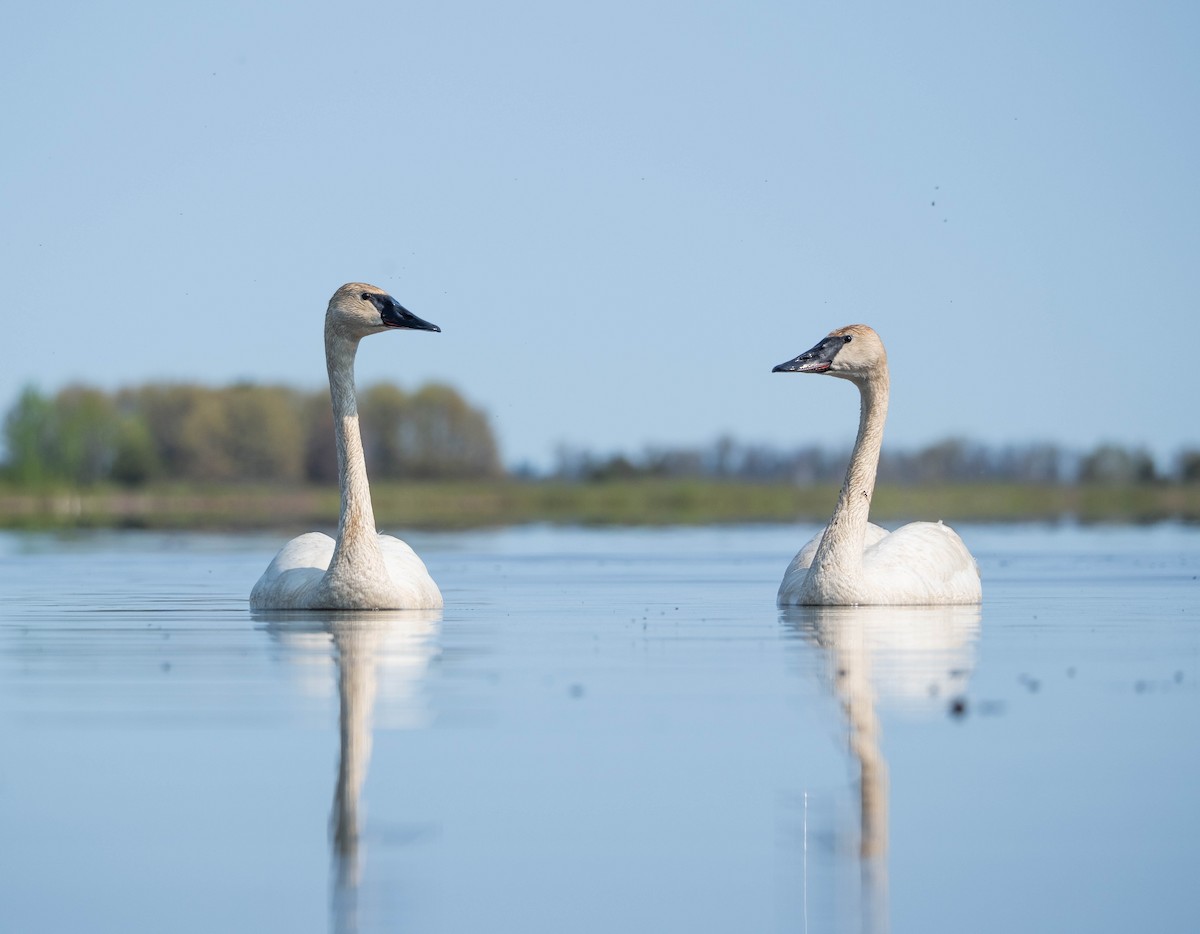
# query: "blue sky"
{"points": [[622, 215]]}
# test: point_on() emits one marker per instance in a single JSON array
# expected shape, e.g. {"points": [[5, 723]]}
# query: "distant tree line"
{"points": [[253, 433], [241, 433], [949, 461]]}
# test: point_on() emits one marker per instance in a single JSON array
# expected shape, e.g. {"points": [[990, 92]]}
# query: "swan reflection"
{"points": [[384, 652], [910, 659]]}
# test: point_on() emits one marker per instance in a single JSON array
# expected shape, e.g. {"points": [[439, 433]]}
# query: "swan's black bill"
{"points": [[395, 315], [817, 360]]}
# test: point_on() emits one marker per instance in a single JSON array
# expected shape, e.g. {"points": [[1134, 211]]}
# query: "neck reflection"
{"points": [[392, 646], [911, 659]]}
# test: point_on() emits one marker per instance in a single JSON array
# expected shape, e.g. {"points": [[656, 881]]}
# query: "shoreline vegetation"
{"points": [[448, 505], [247, 456]]}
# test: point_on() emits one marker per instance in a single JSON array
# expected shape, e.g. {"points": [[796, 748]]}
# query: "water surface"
{"points": [[605, 730]]}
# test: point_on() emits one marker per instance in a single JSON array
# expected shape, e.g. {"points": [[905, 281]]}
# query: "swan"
{"points": [[852, 561], [360, 569]]}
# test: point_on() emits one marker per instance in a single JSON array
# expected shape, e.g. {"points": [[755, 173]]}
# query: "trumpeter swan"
{"points": [[361, 569], [852, 561]]}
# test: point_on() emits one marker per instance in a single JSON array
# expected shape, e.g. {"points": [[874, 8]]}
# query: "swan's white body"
{"points": [[852, 561], [293, 580], [360, 569]]}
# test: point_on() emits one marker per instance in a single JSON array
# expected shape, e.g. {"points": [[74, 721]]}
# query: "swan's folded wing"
{"points": [[925, 561], [293, 572], [409, 574], [310, 550]]}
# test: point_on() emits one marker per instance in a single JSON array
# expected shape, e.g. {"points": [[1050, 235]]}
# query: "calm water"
{"points": [[604, 731]]}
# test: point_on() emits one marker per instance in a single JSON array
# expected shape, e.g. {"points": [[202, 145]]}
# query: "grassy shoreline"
{"points": [[432, 505]]}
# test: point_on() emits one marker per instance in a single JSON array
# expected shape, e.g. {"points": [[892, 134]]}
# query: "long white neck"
{"points": [[357, 541], [841, 548]]}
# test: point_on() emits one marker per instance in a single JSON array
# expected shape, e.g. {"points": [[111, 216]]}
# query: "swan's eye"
{"points": [[847, 339], [365, 297]]}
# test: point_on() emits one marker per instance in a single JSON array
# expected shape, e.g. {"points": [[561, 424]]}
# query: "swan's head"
{"points": [[854, 352], [358, 309]]}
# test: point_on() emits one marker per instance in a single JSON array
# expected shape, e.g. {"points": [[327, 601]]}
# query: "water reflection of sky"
{"points": [[605, 730]]}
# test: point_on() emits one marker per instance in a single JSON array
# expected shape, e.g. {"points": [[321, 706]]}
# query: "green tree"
{"points": [[88, 426], [203, 441], [442, 436], [384, 410], [1113, 464], [165, 408], [31, 433], [320, 452], [243, 432], [264, 433], [136, 459], [1189, 466]]}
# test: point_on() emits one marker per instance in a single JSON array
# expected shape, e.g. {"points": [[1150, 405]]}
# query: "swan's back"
{"points": [[922, 563]]}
